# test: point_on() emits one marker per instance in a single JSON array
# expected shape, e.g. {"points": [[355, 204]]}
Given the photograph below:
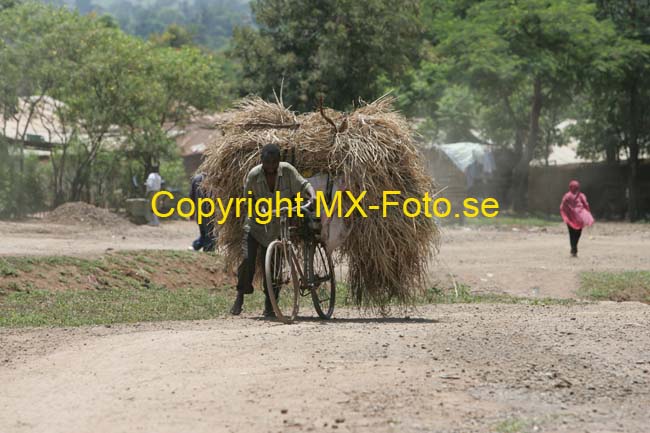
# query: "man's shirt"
{"points": [[154, 182], [288, 182]]}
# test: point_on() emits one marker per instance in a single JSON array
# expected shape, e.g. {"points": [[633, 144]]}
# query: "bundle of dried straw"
{"points": [[371, 150]]}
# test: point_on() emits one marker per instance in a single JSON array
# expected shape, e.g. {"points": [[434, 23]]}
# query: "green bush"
{"points": [[25, 191]]}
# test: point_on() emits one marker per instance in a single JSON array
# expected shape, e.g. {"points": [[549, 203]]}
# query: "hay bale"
{"points": [[371, 151]]}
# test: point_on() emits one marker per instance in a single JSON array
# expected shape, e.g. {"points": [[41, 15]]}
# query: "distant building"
{"points": [[194, 138], [36, 125]]}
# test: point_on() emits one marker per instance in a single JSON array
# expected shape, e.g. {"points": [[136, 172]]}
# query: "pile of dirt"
{"points": [[171, 270], [75, 213]]}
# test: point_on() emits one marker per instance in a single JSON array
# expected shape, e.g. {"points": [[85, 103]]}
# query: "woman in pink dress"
{"points": [[576, 214]]}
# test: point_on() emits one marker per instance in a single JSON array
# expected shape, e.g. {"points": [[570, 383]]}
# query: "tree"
{"points": [[179, 83], [108, 91], [175, 36], [32, 44], [210, 22], [340, 49], [6, 4], [534, 50], [616, 114]]}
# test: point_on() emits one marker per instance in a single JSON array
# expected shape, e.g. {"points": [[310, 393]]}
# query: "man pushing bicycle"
{"points": [[264, 181]]}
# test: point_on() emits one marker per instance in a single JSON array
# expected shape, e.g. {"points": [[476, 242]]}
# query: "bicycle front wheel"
{"points": [[279, 275], [322, 282]]}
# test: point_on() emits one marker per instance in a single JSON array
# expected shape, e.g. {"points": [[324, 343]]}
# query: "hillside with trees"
{"points": [[210, 22]]}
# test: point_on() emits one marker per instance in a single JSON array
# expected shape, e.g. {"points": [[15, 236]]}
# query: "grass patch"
{"points": [[7, 269], [129, 287], [134, 302], [513, 425], [129, 305], [437, 295], [616, 286]]}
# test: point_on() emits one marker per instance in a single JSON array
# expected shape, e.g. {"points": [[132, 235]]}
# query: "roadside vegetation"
{"points": [[616, 286], [143, 286]]}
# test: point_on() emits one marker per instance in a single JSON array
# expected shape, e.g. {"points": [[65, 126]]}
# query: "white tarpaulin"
{"points": [[334, 231], [473, 159], [465, 154]]}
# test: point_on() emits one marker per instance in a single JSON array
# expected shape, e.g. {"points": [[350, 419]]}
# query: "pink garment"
{"points": [[575, 209]]}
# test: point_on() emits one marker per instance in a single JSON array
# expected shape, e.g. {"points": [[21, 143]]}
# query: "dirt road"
{"points": [[38, 238], [462, 368], [451, 368], [516, 262]]}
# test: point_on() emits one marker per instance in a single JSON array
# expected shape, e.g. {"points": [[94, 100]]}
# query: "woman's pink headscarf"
{"points": [[575, 209]]}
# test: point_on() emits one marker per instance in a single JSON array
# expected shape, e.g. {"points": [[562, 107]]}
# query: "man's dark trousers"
{"points": [[246, 270]]}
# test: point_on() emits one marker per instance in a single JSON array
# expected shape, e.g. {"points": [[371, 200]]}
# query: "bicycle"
{"points": [[314, 276]]}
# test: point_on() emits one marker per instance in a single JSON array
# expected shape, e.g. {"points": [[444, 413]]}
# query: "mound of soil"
{"points": [[171, 270], [86, 214]]}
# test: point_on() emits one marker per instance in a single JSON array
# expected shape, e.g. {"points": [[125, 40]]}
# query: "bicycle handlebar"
{"points": [[303, 207]]}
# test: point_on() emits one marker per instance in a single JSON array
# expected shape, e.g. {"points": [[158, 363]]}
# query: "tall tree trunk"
{"points": [[520, 172], [610, 150], [4, 149], [58, 172], [518, 147], [633, 162]]}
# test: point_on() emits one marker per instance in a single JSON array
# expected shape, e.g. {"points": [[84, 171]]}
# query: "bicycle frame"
{"points": [[296, 271], [300, 274], [302, 277]]}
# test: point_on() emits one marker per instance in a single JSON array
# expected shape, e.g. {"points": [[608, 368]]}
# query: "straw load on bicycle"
{"points": [[368, 150]]}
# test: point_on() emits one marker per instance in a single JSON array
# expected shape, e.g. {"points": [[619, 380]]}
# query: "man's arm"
{"points": [[299, 183], [193, 188]]}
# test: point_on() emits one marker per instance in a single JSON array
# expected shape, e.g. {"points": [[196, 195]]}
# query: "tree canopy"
{"points": [[503, 72], [339, 49], [116, 91]]}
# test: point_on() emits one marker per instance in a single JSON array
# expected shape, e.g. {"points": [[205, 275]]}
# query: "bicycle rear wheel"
{"points": [[279, 274], [322, 282]]}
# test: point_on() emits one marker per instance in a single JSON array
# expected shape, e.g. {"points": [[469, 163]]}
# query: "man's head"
{"points": [[270, 158]]}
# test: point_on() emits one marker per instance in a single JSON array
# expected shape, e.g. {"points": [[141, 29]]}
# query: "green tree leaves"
{"points": [[117, 91], [338, 48]]}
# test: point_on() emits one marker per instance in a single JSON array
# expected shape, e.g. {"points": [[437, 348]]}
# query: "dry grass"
{"points": [[370, 150]]}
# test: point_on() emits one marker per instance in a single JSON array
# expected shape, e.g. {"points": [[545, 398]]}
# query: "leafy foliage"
{"points": [[117, 93], [523, 61], [209, 22], [339, 49]]}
